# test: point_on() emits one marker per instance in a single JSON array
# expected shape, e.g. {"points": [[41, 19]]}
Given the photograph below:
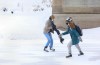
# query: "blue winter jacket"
{"points": [[74, 35]]}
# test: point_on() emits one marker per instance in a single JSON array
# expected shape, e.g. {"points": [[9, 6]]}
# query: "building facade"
{"points": [[85, 13]]}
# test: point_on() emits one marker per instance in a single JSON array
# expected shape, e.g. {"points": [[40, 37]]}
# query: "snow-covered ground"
{"points": [[22, 39], [30, 52]]}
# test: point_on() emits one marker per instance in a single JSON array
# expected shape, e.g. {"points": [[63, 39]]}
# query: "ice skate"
{"points": [[45, 49], [70, 55], [81, 53], [52, 49]]}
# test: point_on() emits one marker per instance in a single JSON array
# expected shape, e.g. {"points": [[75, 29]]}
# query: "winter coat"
{"points": [[47, 27], [74, 35]]}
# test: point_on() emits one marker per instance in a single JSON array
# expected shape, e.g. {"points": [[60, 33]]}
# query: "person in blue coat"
{"points": [[75, 37]]}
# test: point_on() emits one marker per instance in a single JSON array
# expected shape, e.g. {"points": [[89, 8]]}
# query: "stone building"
{"points": [[85, 13]]}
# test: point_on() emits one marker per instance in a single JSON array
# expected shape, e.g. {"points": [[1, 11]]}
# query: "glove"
{"points": [[51, 30], [80, 39], [61, 39]]}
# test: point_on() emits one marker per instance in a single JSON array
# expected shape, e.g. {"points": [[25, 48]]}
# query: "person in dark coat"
{"points": [[75, 37]]}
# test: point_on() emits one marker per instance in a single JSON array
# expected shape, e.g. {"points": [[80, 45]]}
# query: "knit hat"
{"points": [[68, 19]]}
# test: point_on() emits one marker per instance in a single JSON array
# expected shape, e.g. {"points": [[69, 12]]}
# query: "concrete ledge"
{"points": [[81, 10], [76, 6]]}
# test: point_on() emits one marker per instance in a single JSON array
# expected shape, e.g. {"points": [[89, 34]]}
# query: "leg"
{"points": [[48, 38], [48, 42], [51, 43], [69, 49], [79, 49]]}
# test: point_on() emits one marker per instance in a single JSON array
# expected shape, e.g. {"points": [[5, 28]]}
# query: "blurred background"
{"points": [[23, 19]]}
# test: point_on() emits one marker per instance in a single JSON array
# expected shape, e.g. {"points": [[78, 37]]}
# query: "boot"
{"points": [[70, 55], [45, 49], [52, 49], [81, 53]]}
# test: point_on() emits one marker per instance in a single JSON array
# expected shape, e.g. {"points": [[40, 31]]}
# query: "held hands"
{"points": [[80, 39]]}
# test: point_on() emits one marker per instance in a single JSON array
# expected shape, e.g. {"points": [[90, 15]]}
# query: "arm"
{"points": [[54, 27], [57, 31], [66, 32]]}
